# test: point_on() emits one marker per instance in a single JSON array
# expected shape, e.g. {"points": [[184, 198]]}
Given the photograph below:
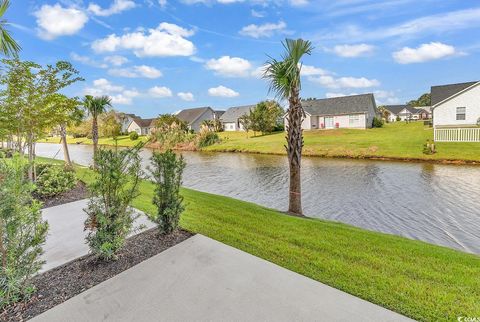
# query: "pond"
{"points": [[431, 202]]}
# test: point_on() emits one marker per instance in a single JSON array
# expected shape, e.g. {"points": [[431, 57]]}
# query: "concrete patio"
{"points": [[201, 279]]}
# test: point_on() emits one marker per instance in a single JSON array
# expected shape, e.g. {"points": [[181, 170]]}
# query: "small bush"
{"points": [[377, 122], [206, 137], [398, 119], [429, 148], [110, 217], [133, 136], [54, 180], [22, 231], [167, 170]]}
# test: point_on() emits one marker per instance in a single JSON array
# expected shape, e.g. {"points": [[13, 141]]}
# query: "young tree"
{"points": [[246, 122], [8, 45], [265, 116], [96, 106], [167, 170], [22, 232], [284, 78], [110, 216], [110, 127]]}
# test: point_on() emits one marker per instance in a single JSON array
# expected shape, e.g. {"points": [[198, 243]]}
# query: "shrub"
{"points": [[110, 217], [377, 122], [54, 180], [133, 136], [206, 137], [398, 119], [167, 170], [22, 232], [429, 148]]}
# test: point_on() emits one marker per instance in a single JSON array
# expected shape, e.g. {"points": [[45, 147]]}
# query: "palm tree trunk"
{"points": [[94, 139], [66, 154], [294, 152]]}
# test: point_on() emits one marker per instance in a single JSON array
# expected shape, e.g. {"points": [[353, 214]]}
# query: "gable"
{"points": [[444, 92]]}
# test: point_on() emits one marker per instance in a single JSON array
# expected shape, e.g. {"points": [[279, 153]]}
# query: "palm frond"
{"points": [[8, 45]]}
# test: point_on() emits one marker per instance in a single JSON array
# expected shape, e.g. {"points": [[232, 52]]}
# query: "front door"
{"points": [[329, 123]]}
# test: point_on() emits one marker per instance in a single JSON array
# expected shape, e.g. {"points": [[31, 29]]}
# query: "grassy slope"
{"points": [[420, 280], [396, 140], [123, 140]]}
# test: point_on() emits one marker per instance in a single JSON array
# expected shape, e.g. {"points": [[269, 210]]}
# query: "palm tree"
{"points": [[96, 106], [8, 45], [284, 78]]}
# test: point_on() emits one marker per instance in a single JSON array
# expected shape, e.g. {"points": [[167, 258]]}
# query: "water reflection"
{"points": [[431, 202]]}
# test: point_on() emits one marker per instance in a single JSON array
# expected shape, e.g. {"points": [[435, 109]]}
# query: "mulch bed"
{"points": [[78, 193], [64, 282]]}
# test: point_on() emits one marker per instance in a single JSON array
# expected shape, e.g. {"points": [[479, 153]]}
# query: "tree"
{"points": [[167, 120], [96, 106], [109, 126], [423, 100], [246, 122], [284, 78], [265, 116], [8, 45], [384, 113]]}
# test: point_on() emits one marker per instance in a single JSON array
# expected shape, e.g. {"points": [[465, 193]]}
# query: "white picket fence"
{"points": [[457, 135]]}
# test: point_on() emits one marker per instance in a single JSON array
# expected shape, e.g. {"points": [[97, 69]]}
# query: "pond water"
{"points": [[430, 202]]}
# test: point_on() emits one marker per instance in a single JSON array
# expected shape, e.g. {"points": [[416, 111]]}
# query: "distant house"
{"points": [[456, 112], [141, 126], [195, 116], [356, 111], [125, 119], [407, 112], [231, 119]]}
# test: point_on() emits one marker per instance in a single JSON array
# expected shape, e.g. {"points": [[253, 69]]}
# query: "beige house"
{"points": [[141, 126]]}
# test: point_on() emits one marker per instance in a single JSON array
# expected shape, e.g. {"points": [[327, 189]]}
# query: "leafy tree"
{"points": [[8, 45], [110, 127], [423, 100], [164, 121], [167, 169], [213, 125], [22, 232], [284, 78], [385, 114], [95, 106], [110, 217], [246, 122], [265, 116]]}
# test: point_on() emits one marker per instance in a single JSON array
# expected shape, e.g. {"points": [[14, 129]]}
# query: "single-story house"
{"points": [[141, 126], [231, 119], [125, 119], [456, 105], [355, 111], [407, 112], [195, 116]]}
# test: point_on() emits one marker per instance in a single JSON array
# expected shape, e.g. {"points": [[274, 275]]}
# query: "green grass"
{"points": [[420, 280], [123, 140], [396, 140]]}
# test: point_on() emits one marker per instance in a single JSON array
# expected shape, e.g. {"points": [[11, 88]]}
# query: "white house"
{"points": [[355, 111], [456, 112], [195, 116], [406, 112], [231, 118], [141, 126]]}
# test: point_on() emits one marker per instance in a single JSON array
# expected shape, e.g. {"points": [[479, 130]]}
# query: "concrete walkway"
{"points": [[66, 237], [203, 280]]}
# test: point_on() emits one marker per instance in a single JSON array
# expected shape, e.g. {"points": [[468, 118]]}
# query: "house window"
{"points": [[461, 113], [354, 119]]}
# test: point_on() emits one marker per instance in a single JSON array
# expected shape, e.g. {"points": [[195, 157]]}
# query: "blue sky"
{"points": [[159, 56]]}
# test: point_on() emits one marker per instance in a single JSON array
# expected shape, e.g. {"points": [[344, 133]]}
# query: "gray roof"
{"points": [[234, 113], [395, 109], [189, 115], [340, 105], [440, 93], [143, 122]]}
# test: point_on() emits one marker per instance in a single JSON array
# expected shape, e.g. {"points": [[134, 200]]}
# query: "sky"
{"points": [[160, 56]]}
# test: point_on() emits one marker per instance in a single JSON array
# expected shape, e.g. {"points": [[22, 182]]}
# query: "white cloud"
{"points": [[86, 60], [55, 21], [117, 93], [298, 3], [186, 96], [162, 3], [136, 72], [116, 7], [165, 40], [265, 30], [332, 95], [257, 14], [116, 60], [258, 72], [222, 91], [353, 50], [308, 70], [381, 97], [229, 66], [345, 82], [423, 53], [160, 91]]}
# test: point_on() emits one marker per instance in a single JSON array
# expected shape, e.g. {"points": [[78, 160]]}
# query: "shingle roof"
{"points": [[440, 93], [340, 105], [234, 113], [191, 114], [395, 109], [143, 122]]}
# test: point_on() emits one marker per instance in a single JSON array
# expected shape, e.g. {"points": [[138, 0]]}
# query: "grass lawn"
{"points": [[123, 140], [394, 140], [419, 280]]}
